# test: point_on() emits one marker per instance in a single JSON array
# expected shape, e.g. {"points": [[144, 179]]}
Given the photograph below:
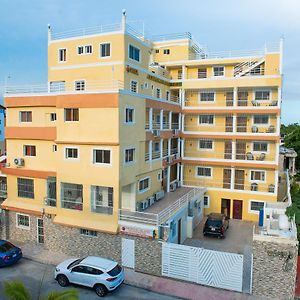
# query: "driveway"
{"points": [[38, 277]]}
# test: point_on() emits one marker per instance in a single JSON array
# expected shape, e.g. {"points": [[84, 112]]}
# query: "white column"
{"points": [[169, 147], [161, 148], [277, 145], [181, 174], [151, 118], [276, 183], [235, 96], [182, 148], [168, 178], [182, 98], [178, 172], [233, 149], [170, 120], [234, 123], [179, 121], [150, 150], [182, 123], [232, 179], [183, 72], [279, 97], [161, 118], [178, 147], [278, 126]]}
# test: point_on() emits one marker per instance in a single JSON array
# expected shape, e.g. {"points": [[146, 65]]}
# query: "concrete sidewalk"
{"points": [[162, 285]]}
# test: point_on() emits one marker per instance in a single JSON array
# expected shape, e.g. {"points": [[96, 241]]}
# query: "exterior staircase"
{"points": [[245, 67]]}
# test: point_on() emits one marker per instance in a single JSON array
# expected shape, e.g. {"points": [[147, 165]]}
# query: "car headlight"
{"points": [[57, 269]]}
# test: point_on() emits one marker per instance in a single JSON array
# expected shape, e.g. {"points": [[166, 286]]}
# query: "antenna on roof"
{"points": [[124, 19], [49, 32]]}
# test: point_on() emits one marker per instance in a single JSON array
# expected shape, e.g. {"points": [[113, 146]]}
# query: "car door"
{"points": [[78, 275]]}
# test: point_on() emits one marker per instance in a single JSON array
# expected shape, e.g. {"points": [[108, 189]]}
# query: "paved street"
{"points": [[39, 277]]}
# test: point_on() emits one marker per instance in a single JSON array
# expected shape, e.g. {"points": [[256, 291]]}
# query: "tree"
{"points": [[15, 290]]}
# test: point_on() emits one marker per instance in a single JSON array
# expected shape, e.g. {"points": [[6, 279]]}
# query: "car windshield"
{"points": [[214, 222], [75, 262], [115, 271], [6, 247]]}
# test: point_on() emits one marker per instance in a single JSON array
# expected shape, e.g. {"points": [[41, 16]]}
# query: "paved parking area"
{"points": [[238, 236], [38, 278]]}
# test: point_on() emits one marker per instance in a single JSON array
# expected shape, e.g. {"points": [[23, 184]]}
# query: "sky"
{"points": [[217, 24]]}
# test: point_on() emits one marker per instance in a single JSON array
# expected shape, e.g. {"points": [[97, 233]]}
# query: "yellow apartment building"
{"points": [[140, 136]]}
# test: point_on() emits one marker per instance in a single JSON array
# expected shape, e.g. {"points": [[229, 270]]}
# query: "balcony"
{"points": [[3, 190], [161, 211]]}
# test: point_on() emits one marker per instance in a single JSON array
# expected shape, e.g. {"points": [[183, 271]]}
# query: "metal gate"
{"points": [[214, 268], [128, 253]]}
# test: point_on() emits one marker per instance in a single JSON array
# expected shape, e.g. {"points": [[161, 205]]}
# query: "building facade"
{"points": [[141, 136]]}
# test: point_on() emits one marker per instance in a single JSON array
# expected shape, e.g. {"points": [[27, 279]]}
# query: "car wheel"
{"points": [[100, 290], [62, 280]]}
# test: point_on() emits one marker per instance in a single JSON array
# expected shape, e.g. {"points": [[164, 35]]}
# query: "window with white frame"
{"points": [[134, 53], [168, 95], [105, 50], [202, 73], [261, 119], [203, 172], [101, 156], [29, 150], [54, 148], [88, 49], [102, 199], [144, 184], [260, 146], [255, 206], [62, 55], [53, 117], [206, 119], [25, 188], [23, 221], [218, 71], [167, 51], [206, 201], [71, 114], [87, 232], [71, 196], [129, 155], [71, 153], [257, 175], [205, 144], [80, 85], [129, 115], [80, 50], [134, 86], [262, 95], [158, 93], [25, 116], [207, 96]]}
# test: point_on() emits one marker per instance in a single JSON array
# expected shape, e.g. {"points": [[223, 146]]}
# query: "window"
{"points": [[156, 50], [71, 114], [129, 155], [25, 188], [129, 115], [158, 93], [166, 51], [79, 85], [71, 153], [206, 144], [88, 49], [54, 148], [133, 86], [80, 50], [101, 156], [134, 53], [207, 96], [257, 175], [62, 55], [202, 73], [146, 85], [260, 146], [206, 119], [29, 150], [102, 199], [53, 117], [158, 176], [156, 146], [255, 206], [71, 196], [105, 50], [203, 172], [144, 184], [262, 95], [218, 71], [23, 221], [261, 119], [168, 95], [206, 201], [25, 116], [87, 232]]}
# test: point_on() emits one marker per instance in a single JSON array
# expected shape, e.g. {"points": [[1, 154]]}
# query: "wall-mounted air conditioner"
{"points": [[19, 162], [159, 195]]}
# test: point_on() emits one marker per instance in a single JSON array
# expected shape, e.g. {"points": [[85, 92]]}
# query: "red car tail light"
{"points": [[111, 279]]}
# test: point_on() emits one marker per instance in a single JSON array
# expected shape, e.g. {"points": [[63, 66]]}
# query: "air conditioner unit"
{"points": [[173, 187], [254, 187], [145, 204], [175, 131], [156, 132], [159, 195], [151, 200], [139, 206], [19, 162]]}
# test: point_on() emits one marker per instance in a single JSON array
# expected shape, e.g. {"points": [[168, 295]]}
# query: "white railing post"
{"points": [[161, 118], [170, 120]]}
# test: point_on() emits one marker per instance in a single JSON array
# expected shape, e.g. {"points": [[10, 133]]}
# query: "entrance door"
{"points": [[237, 209], [128, 253], [40, 231], [179, 231], [229, 124], [226, 178], [240, 150], [225, 207], [239, 179], [228, 150]]}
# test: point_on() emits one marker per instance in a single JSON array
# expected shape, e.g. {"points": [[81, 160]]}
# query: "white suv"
{"points": [[101, 274]]}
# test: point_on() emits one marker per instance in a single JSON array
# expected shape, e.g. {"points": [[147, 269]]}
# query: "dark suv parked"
{"points": [[216, 224]]}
